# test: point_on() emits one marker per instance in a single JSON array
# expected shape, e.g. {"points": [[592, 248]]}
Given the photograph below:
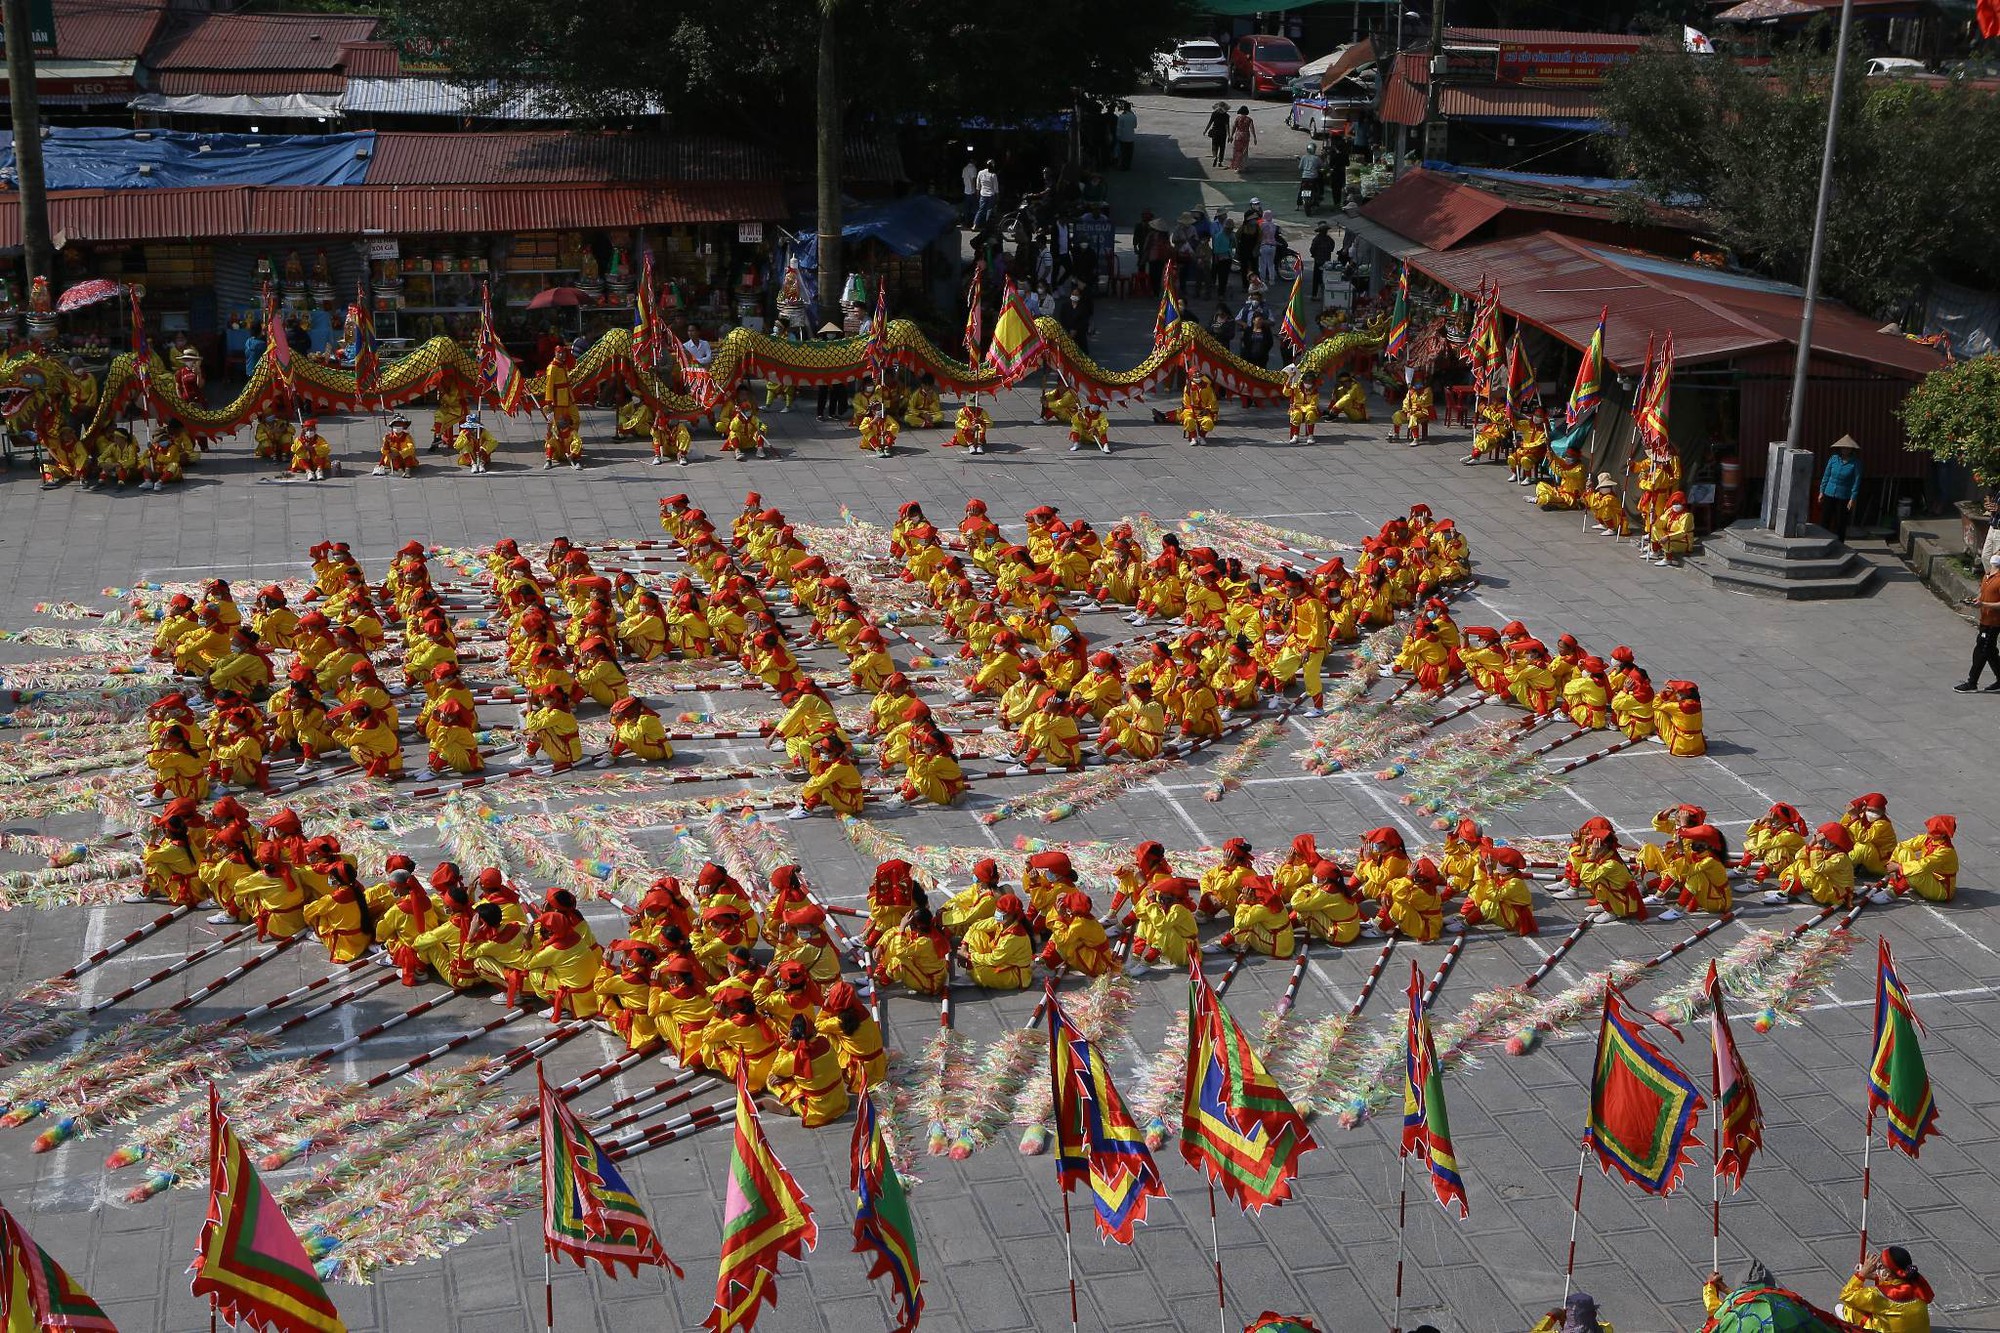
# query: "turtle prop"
{"points": [[1270, 1322], [1766, 1309]]}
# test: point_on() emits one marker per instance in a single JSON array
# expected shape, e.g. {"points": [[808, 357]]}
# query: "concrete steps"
{"points": [[1815, 565]]}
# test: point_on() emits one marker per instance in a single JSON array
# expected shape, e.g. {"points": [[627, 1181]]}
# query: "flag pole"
{"points": [[1867, 1143], [1215, 1250], [1402, 1215], [548, 1290], [1715, 1203], [1056, 1105], [1575, 1214], [1069, 1257]]}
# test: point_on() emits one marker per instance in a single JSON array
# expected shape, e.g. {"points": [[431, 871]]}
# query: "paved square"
{"points": [[1807, 703]]}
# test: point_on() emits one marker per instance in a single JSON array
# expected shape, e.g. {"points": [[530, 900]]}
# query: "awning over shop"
{"points": [[243, 106], [83, 82], [442, 97]]}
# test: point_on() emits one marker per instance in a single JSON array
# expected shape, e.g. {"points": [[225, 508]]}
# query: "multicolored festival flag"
{"points": [[1739, 1130], [1426, 1124], [1482, 345], [588, 1211], [1399, 319], [1017, 344], [1520, 382], [1898, 1082], [504, 382], [882, 1223], [367, 359], [1170, 313], [1588, 391], [645, 347], [249, 1262], [1650, 408], [1097, 1143], [279, 342], [1292, 329], [1644, 1109], [36, 1294], [1237, 1125], [764, 1215], [974, 313]]}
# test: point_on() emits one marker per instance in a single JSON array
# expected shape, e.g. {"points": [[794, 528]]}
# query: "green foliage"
{"points": [[1954, 415], [747, 68], [1915, 196]]}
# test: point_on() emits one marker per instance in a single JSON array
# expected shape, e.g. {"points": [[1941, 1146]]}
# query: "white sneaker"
{"points": [[1017, 770], [680, 462], [602, 761], [1881, 897], [763, 453], [1371, 931], [1599, 527], [548, 463], [1215, 947], [798, 812], [657, 461], [895, 803], [1075, 448], [1600, 917], [1776, 897], [308, 766], [218, 918], [576, 465], [1312, 710], [501, 998], [1455, 926], [1564, 893], [1651, 898], [1672, 914], [425, 774], [379, 471], [1103, 448]]}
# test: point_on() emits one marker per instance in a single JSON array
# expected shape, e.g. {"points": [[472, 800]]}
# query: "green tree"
{"points": [[1954, 415], [1914, 189]]}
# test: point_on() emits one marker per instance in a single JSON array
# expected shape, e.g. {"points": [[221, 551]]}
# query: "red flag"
{"points": [[1989, 19], [1739, 1120]]}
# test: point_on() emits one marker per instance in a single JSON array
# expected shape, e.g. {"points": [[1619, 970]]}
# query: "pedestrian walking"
{"points": [[1218, 133], [1241, 135], [1128, 134], [987, 183], [1839, 484], [969, 177], [1986, 647]]}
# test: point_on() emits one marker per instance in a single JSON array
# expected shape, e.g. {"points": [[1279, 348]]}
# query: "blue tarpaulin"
{"points": [[89, 157], [905, 225]]}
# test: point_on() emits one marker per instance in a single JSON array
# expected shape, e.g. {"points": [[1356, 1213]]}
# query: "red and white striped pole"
{"points": [[417, 1062], [1374, 975], [393, 1021], [172, 969], [118, 946], [241, 970], [679, 1128]]}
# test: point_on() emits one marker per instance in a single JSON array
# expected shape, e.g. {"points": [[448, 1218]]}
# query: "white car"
{"points": [[1894, 66], [1193, 63]]}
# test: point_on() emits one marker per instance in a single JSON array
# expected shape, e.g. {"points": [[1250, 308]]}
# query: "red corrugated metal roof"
{"points": [[1403, 101], [106, 29], [1509, 103], [370, 60], [246, 83], [1543, 37], [1559, 285], [261, 41], [225, 212], [1433, 210]]}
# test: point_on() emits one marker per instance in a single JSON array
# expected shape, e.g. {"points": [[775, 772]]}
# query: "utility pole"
{"points": [[1799, 369], [832, 144], [27, 141], [1433, 122]]}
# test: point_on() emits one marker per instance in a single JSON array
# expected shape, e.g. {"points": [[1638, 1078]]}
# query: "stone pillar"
{"points": [[1788, 478]]}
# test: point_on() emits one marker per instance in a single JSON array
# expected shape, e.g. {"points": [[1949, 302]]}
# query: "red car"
{"points": [[1262, 65]]}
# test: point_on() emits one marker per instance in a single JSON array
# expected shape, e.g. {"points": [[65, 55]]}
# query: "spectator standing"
{"points": [[1321, 250], [1267, 247], [1222, 328], [1258, 342], [1222, 252], [1158, 250], [1128, 134], [1839, 484], [1246, 242], [1241, 135], [969, 175], [1218, 133], [1074, 317], [987, 183], [1986, 648], [1990, 551], [832, 404]]}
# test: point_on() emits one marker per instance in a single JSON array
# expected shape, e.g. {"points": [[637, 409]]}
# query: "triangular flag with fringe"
{"points": [[1898, 1081], [1294, 329], [764, 1216], [1644, 1109], [1739, 1127], [1097, 1143], [882, 1224], [1169, 314], [1017, 344], [1237, 1124], [1588, 390], [588, 1211], [249, 1262], [36, 1294]]}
